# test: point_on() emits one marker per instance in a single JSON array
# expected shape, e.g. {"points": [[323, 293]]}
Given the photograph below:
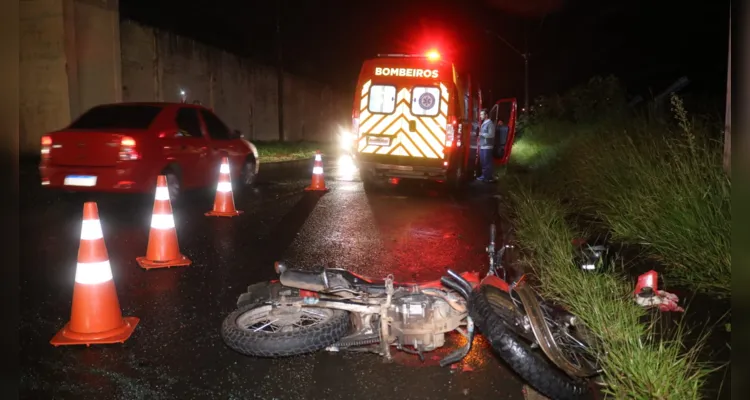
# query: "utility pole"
{"points": [[280, 71], [526, 67], [526, 82], [728, 111], [525, 55]]}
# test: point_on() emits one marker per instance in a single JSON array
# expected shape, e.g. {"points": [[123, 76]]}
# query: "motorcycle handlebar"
{"points": [[461, 281], [455, 286]]}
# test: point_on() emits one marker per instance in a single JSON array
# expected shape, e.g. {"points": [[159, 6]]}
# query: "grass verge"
{"points": [[655, 182], [638, 363], [274, 151], [650, 183]]}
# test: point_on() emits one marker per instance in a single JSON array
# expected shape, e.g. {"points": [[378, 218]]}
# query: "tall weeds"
{"points": [[647, 180], [636, 363], [657, 185]]}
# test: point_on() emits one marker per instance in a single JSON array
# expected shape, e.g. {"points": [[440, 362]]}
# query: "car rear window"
{"points": [[117, 117]]}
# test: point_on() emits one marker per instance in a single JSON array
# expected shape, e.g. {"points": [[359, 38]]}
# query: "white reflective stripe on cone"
{"points": [[162, 193], [224, 169], [93, 273], [162, 221], [318, 170], [318, 158], [224, 187], [91, 229]]}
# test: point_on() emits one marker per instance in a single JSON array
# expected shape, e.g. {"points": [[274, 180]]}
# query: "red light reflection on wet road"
{"points": [[477, 357], [422, 243]]}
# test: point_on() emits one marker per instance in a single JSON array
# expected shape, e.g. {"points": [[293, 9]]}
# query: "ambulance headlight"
{"points": [[345, 139]]}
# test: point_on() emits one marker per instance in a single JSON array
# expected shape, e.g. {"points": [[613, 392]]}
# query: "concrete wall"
{"points": [[69, 62], [76, 54], [157, 65], [96, 74], [43, 96]]}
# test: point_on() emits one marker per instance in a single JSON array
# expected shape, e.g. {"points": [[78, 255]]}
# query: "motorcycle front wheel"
{"points": [[264, 330], [532, 366]]}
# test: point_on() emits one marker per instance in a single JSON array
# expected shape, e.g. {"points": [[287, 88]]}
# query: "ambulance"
{"points": [[412, 119]]}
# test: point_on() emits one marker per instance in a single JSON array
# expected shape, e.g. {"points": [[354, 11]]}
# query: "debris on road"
{"points": [[647, 294]]}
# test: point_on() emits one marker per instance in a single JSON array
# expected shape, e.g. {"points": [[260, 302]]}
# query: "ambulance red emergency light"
{"points": [[411, 120]]}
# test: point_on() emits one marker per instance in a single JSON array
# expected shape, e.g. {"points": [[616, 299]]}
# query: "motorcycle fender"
{"points": [[255, 293], [493, 280], [305, 280]]}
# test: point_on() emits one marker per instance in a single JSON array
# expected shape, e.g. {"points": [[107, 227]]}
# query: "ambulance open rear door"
{"points": [[504, 111]]}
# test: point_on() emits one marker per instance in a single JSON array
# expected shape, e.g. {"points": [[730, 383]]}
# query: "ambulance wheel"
{"points": [[369, 183], [457, 179], [371, 187]]}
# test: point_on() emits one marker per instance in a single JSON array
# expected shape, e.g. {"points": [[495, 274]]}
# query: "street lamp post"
{"points": [[526, 82], [525, 55]]}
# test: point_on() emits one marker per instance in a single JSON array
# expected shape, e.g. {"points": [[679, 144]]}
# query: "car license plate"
{"points": [[378, 141], [80, 180]]}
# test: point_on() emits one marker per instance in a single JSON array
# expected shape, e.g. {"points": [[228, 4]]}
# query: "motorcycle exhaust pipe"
{"points": [[459, 354], [455, 286], [461, 281]]}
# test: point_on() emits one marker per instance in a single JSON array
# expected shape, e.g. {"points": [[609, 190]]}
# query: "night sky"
{"points": [[647, 44]]}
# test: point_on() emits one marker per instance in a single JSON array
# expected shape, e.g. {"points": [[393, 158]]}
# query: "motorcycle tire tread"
{"points": [[546, 378], [301, 341]]}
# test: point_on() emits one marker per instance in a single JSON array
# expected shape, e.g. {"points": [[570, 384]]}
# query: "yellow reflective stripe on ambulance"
{"points": [[427, 142]]}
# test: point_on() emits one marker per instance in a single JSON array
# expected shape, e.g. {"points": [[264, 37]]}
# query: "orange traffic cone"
{"points": [[163, 250], [224, 201], [95, 317], [318, 181]]}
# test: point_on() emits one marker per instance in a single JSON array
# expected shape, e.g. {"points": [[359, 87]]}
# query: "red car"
{"points": [[123, 148]]}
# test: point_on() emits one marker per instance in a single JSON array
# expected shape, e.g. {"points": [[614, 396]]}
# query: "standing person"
{"points": [[486, 144], [474, 150]]}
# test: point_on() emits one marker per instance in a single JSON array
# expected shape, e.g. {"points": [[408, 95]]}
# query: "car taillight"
{"points": [[46, 147], [450, 132], [127, 149]]}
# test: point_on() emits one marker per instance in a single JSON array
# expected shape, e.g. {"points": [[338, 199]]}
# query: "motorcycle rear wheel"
{"points": [[532, 366], [260, 330]]}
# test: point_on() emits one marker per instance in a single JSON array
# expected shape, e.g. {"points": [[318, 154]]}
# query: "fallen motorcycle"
{"points": [[337, 310]]}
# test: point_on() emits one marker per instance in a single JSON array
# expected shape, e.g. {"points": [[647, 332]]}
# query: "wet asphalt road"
{"points": [[176, 351]]}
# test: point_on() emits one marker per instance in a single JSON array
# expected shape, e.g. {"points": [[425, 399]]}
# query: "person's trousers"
{"points": [[475, 163], [485, 159]]}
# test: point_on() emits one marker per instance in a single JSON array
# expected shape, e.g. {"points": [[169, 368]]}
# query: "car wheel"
{"points": [[369, 184], [173, 185], [248, 175]]}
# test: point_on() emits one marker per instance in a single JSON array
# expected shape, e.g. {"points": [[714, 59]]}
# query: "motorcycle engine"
{"points": [[421, 321]]}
